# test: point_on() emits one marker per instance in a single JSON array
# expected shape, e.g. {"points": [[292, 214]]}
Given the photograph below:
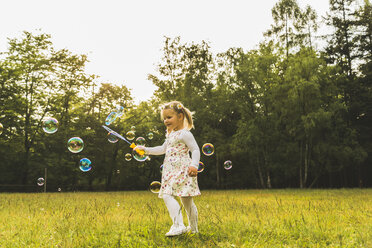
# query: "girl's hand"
{"points": [[193, 172]]}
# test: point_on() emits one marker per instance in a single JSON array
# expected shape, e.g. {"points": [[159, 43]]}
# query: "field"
{"points": [[236, 218]]}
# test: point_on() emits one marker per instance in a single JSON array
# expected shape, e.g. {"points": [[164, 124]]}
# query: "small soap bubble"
{"points": [[133, 128], [75, 144], [59, 189], [118, 204], [111, 118], [150, 135], [119, 110], [201, 167], [1, 128], [140, 141], [112, 138], [128, 157], [227, 165], [208, 149], [155, 187], [130, 135], [161, 168], [138, 153], [117, 171], [50, 125], [40, 181], [85, 165]]}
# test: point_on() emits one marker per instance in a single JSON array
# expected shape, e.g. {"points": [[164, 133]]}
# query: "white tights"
{"points": [[176, 213]]}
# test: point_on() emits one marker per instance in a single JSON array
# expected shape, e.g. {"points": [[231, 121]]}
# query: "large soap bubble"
{"points": [[40, 181], [75, 144], [130, 135], [208, 149], [150, 135], [139, 153], [112, 138], [111, 118], [85, 165], [141, 141], [50, 125], [201, 167], [155, 187], [119, 110], [128, 157], [227, 165]]}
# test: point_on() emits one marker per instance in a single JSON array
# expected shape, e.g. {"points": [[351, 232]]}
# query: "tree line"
{"points": [[287, 114]]}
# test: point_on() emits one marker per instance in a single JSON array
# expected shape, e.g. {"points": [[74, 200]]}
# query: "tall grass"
{"points": [[238, 218]]}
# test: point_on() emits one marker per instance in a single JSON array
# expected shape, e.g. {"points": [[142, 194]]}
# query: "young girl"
{"points": [[179, 170]]}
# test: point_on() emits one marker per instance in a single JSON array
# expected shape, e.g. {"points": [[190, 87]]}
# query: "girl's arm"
{"points": [[190, 141], [157, 150]]}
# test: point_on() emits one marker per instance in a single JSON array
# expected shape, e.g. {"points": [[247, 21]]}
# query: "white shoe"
{"points": [[188, 229], [174, 231]]}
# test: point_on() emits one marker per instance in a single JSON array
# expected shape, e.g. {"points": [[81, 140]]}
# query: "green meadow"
{"points": [[230, 218]]}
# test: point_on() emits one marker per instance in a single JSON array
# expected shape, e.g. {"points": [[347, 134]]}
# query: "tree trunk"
{"points": [[260, 173], [307, 159], [218, 179], [301, 182]]}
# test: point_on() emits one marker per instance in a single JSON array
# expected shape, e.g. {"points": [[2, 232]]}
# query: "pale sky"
{"points": [[123, 39]]}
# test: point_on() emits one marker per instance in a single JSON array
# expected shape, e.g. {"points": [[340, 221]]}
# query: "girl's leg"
{"points": [[174, 210], [192, 212]]}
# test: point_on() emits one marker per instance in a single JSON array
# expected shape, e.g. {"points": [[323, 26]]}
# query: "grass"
{"points": [[236, 218]]}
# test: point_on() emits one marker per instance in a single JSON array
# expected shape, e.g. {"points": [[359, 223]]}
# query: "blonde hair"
{"points": [[178, 107]]}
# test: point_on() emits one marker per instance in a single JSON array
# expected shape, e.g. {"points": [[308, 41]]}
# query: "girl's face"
{"points": [[172, 120]]}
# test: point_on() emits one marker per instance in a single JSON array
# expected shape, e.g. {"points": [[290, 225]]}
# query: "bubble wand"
{"points": [[132, 145]]}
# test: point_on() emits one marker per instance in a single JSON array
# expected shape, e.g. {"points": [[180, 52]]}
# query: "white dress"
{"points": [[175, 179]]}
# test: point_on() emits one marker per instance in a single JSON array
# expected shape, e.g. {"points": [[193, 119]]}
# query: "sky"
{"points": [[124, 39]]}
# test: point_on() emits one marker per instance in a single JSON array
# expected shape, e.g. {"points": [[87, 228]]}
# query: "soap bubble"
{"points": [[1, 128], [117, 171], [140, 141], [201, 167], [155, 187], [59, 189], [111, 118], [112, 138], [138, 153], [150, 135], [208, 149], [128, 157], [227, 165], [85, 165], [119, 110], [75, 145], [50, 125], [161, 168], [133, 128], [40, 181], [130, 135]]}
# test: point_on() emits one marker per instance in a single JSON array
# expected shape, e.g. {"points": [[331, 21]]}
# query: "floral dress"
{"points": [[175, 179]]}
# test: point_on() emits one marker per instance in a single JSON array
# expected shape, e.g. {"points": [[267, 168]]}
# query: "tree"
{"points": [[286, 15]]}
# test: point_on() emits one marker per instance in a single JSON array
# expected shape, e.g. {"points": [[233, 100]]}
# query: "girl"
{"points": [[179, 170]]}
